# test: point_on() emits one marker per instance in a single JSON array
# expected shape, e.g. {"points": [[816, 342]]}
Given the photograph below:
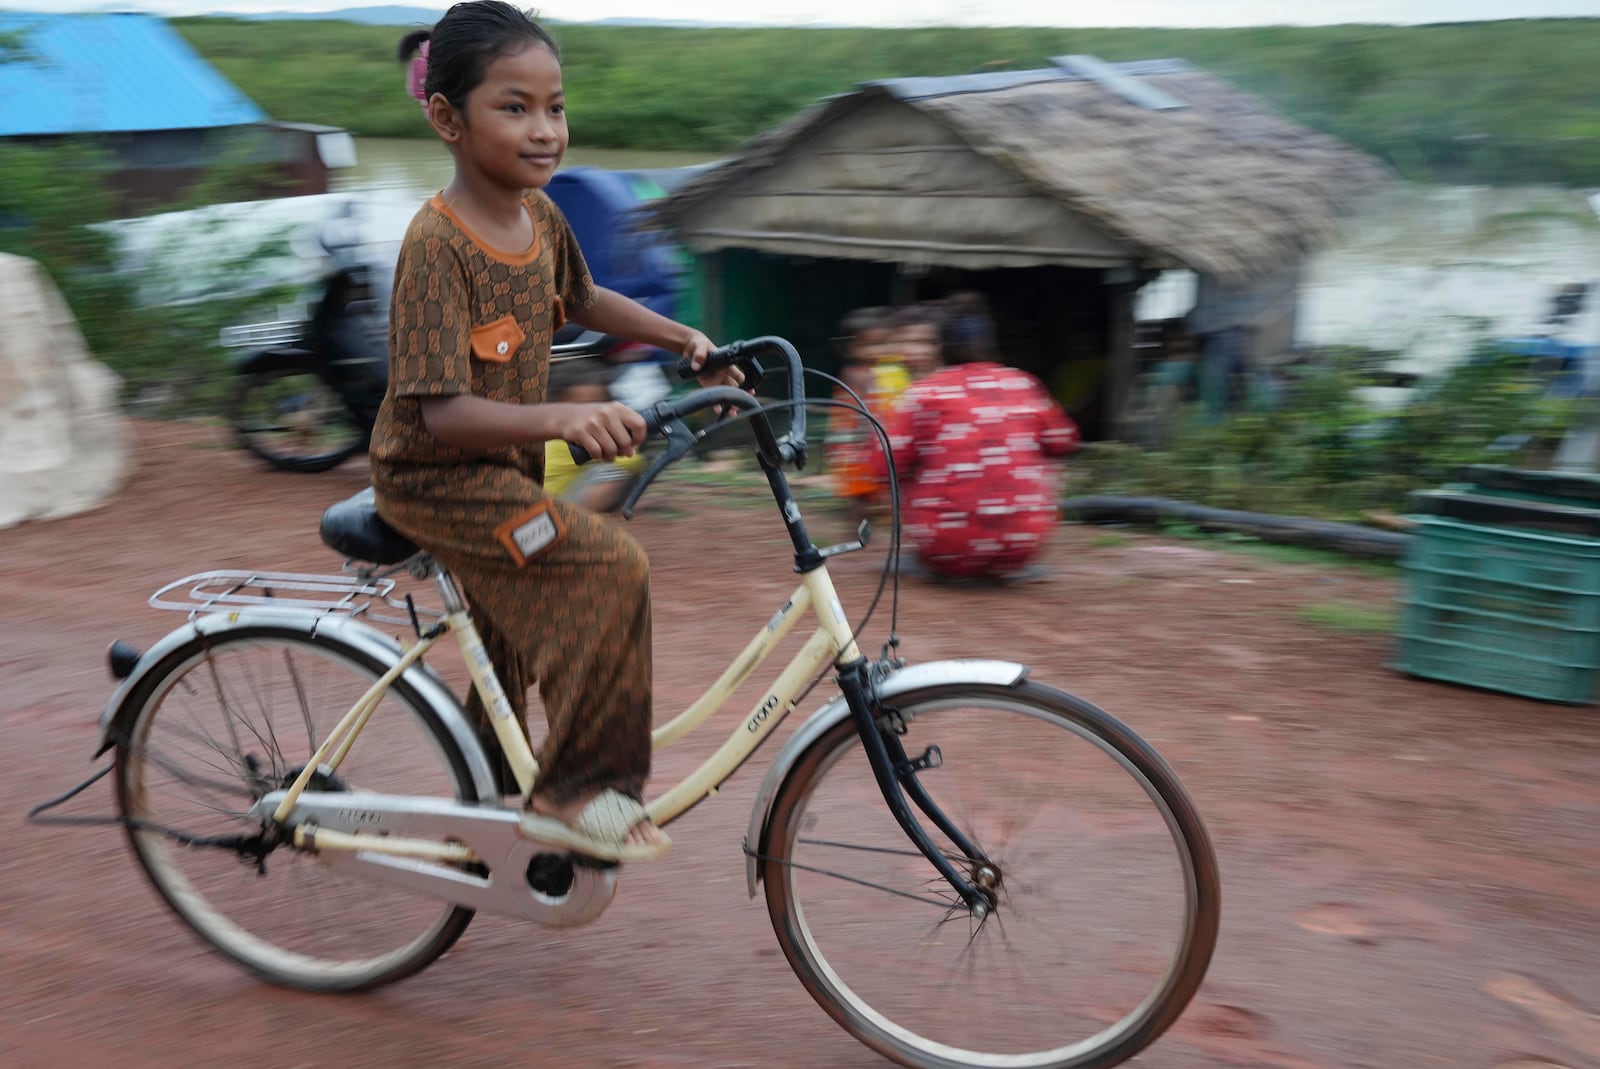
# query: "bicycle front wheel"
{"points": [[230, 717], [1104, 881]]}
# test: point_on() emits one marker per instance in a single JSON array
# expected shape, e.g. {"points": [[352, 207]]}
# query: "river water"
{"points": [[421, 166], [1421, 271]]}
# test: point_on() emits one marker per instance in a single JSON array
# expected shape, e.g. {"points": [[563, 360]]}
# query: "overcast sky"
{"points": [[938, 12]]}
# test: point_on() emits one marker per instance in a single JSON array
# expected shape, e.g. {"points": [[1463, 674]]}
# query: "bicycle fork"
{"points": [[896, 774]]}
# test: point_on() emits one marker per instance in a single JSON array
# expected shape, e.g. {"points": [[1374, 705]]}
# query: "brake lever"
{"points": [[680, 439], [749, 366], [753, 375]]}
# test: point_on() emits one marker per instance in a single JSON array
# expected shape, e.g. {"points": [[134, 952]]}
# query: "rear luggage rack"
{"points": [[288, 593]]}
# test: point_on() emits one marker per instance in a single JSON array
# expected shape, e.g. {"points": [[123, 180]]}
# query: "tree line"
{"points": [[1505, 103]]}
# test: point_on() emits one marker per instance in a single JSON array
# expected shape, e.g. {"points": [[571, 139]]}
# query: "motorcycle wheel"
{"points": [[293, 420]]}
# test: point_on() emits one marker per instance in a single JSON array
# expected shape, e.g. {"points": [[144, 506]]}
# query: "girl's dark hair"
{"points": [[466, 40]]}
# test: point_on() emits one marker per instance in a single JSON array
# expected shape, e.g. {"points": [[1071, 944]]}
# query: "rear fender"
{"points": [[116, 720]]}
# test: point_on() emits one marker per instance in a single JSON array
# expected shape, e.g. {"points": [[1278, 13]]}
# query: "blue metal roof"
{"points": [[109, 73]]}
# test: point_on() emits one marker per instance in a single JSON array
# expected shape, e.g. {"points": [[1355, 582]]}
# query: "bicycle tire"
{"points": [[256, 437], [140, 761], [821, 977]]}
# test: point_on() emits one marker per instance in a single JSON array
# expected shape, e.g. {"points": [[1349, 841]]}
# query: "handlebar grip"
{"points": [[652, 427], [726, 356]]}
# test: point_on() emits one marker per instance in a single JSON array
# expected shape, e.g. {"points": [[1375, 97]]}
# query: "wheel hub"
{"points": [[320, 780], [986, 877]]}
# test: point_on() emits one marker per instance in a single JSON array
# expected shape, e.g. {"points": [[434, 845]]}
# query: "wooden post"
{"points": [[903, 287], [709, 266], [1120, 357]]}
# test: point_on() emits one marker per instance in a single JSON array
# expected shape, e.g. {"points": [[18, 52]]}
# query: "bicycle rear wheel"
{"points": [[224, 720], [1105, 886]]}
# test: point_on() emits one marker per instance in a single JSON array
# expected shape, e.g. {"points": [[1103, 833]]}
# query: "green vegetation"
{"points": [[1322, 452], [1497, 102], [1349, 618], [168, 357]]}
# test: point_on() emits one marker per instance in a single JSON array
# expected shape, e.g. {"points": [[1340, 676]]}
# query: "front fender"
{"points": [[117, 717], [917, 677]]}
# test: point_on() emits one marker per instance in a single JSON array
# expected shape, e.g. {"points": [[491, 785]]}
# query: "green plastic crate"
{"points": [[1503, 608], [1576, 489]]}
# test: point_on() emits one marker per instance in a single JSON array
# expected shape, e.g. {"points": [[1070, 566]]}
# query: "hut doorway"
{"points": [[1057, 323]]}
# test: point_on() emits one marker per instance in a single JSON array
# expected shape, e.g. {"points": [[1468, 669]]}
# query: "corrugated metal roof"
{"points": [[108, 73], [911, 89], [1119, 81]]}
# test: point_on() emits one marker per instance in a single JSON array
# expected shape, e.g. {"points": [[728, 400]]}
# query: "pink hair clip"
{"points": [[417, 79]]}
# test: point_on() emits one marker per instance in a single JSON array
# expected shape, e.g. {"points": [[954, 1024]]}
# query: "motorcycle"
{"points": [[306, 393]]}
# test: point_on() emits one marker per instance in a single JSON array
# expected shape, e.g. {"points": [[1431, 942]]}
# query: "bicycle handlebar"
{"points": [[744, 355], [660, 417], [791, 448], [665, 418]]}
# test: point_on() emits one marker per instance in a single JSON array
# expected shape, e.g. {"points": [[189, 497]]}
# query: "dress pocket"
{"points": [[498, 341]]}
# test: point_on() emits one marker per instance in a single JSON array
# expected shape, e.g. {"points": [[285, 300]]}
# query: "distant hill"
{"points": [[399, 15], [677, 24], [384, 15]]}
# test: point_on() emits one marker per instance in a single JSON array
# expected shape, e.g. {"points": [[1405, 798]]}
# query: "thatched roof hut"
{"points": [[1200, 176], [1112, 171]]}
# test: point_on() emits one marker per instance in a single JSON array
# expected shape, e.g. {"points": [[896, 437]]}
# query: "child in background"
{"points": [[914, 343], [850, 443], [972, 444], [598, 486]]}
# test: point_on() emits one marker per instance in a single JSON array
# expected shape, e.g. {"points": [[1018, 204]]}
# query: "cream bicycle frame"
{"points": [[831, 642]]}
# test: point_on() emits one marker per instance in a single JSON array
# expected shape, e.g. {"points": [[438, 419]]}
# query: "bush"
{"points": [[168, 357], [1324, 452], [46, 197]]}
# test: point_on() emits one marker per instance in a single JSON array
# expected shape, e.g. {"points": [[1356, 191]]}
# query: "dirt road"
{"points": [[1411, 870]]}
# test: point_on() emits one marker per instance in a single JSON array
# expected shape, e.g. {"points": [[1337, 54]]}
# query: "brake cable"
{"points": [[683, 443]]}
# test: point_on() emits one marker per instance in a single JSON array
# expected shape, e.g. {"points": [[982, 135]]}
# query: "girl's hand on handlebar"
{"points": [[607, 430], [696, 348]]}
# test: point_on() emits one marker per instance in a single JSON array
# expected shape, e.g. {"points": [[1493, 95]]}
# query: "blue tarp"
{"points": [[600, 207], [1577, 367]]}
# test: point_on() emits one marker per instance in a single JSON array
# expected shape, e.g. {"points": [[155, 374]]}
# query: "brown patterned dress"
{"points": [[573, 615]]}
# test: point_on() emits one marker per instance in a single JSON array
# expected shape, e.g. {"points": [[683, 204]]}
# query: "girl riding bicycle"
{"points": [[488, 271]]}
